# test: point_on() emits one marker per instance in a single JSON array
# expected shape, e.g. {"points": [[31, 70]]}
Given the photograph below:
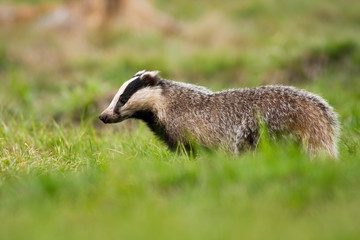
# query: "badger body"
{"points": [[180, 113]]}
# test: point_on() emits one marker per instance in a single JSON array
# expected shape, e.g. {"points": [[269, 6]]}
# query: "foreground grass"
{"points": [[61, 182]]}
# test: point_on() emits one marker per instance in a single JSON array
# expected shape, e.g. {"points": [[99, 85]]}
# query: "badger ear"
{"points": [[150, 78]]}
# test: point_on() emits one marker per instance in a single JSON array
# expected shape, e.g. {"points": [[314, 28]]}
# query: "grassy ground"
{"points": [[65, 176]]}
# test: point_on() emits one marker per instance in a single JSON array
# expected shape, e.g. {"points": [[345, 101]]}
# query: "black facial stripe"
{"points": [[133, 87]]}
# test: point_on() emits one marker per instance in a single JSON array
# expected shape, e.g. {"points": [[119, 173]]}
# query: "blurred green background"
{"points": [[63, 175]]}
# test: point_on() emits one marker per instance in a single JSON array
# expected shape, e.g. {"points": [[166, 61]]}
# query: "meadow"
{"points": [[64, 175]]}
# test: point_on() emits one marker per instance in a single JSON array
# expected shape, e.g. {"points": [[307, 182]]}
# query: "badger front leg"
{"points": [[173, 139]]}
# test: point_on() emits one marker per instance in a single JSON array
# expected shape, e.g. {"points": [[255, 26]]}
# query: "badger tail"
{"points": [[323, 135]]}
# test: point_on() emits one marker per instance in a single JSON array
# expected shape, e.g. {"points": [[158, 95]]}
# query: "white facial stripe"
{"points": [[118, 94]]}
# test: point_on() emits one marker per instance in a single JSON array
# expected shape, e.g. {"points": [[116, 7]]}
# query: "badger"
{"points": [[180, 113]]}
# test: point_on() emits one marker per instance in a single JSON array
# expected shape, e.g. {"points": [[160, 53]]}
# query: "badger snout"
{"points": [[104, 118], [110, 117]]}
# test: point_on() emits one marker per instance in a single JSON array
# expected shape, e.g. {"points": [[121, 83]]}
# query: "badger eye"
{"points": [[122, 101], [119, 104]]}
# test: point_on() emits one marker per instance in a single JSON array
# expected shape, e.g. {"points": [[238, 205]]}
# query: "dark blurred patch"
{"points": [[3, 58], [339, 55]]}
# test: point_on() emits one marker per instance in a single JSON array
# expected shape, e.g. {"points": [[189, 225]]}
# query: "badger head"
{"points": [[138, 94]]}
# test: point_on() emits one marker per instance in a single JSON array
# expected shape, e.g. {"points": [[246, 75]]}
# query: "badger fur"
{"points": [[179, 113]]}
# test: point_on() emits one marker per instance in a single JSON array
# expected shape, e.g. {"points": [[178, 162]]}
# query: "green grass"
{"points": [[63, 175], [64, 182]]}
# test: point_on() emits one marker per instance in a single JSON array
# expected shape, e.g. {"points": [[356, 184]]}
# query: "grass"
{"points": [[65, 176], [61, 182]]}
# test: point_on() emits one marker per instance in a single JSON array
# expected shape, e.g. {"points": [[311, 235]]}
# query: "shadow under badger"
{"points": [[179, 113]]}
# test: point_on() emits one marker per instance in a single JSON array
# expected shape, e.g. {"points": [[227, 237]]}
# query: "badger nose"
{"points": [[103, 117]]}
